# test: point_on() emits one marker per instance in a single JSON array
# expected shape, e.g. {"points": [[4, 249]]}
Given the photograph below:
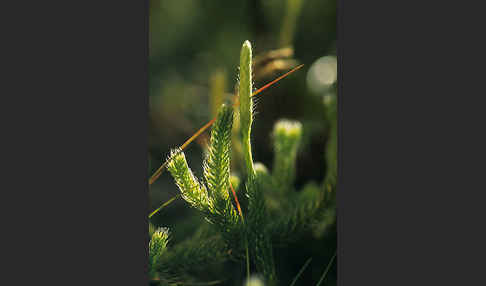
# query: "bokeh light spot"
{"points": [[322, 74]]}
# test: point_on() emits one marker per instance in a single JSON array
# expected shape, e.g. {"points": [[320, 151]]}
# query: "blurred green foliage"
{"points": [[194, 44]]}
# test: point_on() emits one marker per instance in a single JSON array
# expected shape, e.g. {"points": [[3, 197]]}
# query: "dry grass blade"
{"points": [[159, 171], [276, 80], [236, 200]]}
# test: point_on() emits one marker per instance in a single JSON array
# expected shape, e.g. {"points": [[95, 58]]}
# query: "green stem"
{"points": [[246, 104], [163, 205]]}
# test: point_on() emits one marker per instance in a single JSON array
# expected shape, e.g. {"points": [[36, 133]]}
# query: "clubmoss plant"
{"points": [[274, 212], [213, 200]]}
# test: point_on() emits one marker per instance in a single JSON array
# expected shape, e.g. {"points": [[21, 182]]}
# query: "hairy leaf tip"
{"points": [[254, 281], [191, 190], [260, 168], [158, 244], [287, 136], [217, 162], [288, 128]]}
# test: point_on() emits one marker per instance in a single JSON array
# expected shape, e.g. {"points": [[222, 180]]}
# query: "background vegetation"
{"points": [[194, 52]]}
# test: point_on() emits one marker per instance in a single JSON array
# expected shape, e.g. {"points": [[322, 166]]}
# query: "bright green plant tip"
{"points": [[287, 136], [157, 247], [254, 281], [191, 190], [217, 163], [214, 200], [158, 242], [235, 182], [246, 104], [288, 129], [217, 166]]}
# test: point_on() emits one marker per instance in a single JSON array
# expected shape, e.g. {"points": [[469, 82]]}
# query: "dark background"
{"points": [[190, 40]]}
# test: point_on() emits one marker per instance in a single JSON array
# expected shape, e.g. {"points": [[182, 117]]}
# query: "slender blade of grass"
{"points": [[163, 205], [275, 80], [327, 269], [301, 271], [236, 200], [160, 170]]}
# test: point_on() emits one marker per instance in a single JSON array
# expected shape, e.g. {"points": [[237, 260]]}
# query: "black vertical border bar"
{"points": [[145, 122], [409, 174], [76, 167]]}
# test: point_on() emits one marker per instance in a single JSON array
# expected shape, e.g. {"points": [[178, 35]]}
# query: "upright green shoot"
{"points": [[287, 135], [259, 243], [246, 104]]}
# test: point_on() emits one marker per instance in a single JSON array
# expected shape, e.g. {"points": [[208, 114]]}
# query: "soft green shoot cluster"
{"points": [[217, 163], [157, 247], [287, 136], [158, 242], [192, 191], [214, 200], [235, 182], [254, 281]]}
